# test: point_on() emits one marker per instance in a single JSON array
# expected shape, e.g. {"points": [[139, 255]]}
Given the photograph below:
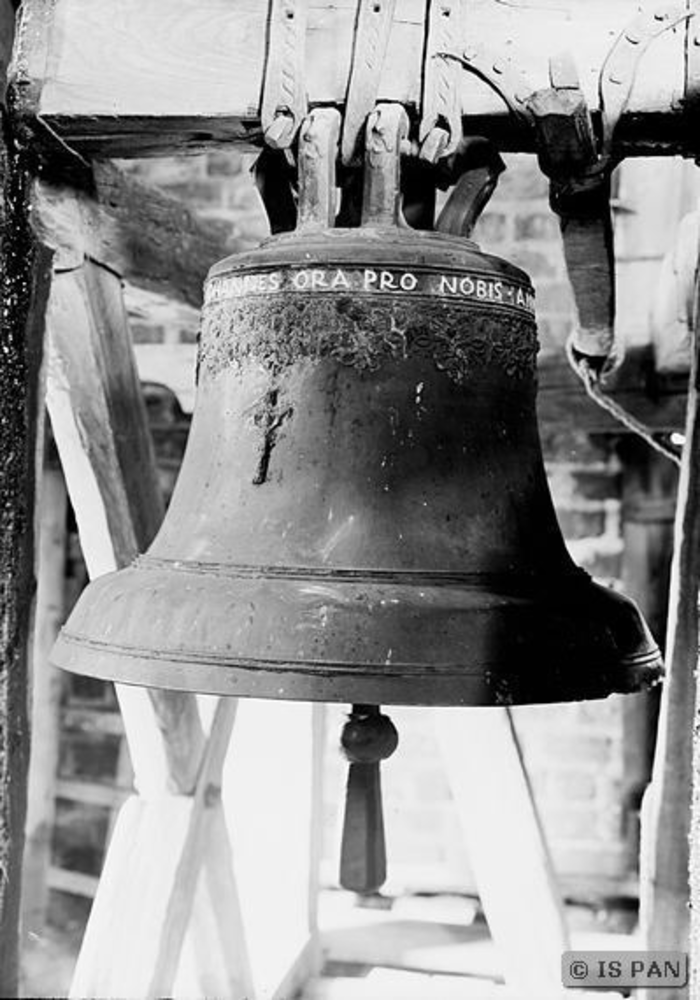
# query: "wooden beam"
{"points": [[151, 240], [99, 424], [649, 485], [25, 270], [47, 685], [665, 901], [133, 943], [161, 76], [507, 848]]}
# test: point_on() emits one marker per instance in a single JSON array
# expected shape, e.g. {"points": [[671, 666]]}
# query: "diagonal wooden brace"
{"points": [[98, 418]]}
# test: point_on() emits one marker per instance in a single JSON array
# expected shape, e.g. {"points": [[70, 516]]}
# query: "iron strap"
{"points": [[441, 122], [284, 101], [374, 21]]}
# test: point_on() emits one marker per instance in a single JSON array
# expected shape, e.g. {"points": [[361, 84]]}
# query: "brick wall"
{"points": [[576, 753]]}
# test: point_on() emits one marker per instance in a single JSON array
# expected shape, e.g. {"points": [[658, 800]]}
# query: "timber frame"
{"points": [[144, 79]]}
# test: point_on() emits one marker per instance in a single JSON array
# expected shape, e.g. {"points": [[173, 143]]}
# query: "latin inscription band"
{"points": [[460, 285]]}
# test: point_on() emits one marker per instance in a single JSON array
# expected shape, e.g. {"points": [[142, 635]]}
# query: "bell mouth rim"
{"points": [[455, 668], [452, 684]]}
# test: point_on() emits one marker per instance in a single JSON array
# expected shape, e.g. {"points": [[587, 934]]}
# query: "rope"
{"points": [[591, 382]]}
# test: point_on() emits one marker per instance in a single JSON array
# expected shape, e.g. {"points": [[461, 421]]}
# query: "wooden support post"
{"points": [[74, 80], [506, 845], [685, 617], [649, 484], [99, 424], [24, 269], [664, 891], [135, 938], [47, 683], [151, 240]]}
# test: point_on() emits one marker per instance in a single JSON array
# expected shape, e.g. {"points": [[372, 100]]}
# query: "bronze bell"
{"points": [[362, 513]]}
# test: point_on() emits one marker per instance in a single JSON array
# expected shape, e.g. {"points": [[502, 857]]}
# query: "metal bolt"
{"points": [[280, 132], [212, 795], [434, 145]]}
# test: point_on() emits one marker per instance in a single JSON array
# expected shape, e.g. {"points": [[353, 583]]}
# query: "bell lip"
{"points": [[286, 681], [352, 655], [340, 247]]}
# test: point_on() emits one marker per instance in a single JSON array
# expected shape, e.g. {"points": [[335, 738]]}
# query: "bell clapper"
{"points": [[368, 737]]}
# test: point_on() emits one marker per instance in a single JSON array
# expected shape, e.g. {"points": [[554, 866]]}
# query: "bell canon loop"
{"points": [[362, 514]]}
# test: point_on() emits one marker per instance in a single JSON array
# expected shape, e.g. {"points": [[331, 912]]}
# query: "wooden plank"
{"points": [[206, 801], [47, 684], [152, 77], [99, 424], [666, 816], [135, 887], [92, 792], [25, 272], [506, 844], [165, 901], [90, 721], [151, 240], [267, 793], [77, 883], [649, 486]]}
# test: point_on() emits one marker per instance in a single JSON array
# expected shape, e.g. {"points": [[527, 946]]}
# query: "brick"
{"points": [[576, 446], [523, 178], [537, 226], [253, 227], [611, 821], [571, 823], [146, 333], [554, 331], [584, 750], [242, 194], [165, 171], [224, 164], [602, 565], [597, 859], [537, 264], [581, 523], [205, 191], [597, 485], [167, 477], [571, 786], [492, 227], [187, 335], [555, 299]]}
